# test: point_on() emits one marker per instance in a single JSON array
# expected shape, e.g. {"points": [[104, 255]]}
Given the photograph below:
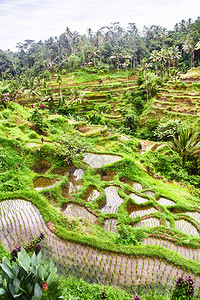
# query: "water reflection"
{"points": [[99, 160]]}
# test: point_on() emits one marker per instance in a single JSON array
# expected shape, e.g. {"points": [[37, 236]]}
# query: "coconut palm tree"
{"points": [[94, 53], [155, 59], [163, 60], [187, 144], [77, 96], [189, 47], [176, 55]]}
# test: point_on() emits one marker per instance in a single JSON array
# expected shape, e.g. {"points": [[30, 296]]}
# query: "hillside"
{"points": [[73, 171]]}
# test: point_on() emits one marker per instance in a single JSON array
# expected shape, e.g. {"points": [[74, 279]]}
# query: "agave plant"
{"points": [[25, 278]]}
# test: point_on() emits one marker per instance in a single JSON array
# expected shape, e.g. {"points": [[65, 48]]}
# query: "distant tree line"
{"points": [[111, 47]]}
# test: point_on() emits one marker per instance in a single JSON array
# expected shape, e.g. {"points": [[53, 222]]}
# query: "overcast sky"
{"points": [[40, 19]]}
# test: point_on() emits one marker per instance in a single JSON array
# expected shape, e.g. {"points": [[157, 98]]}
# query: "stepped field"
{"points": [[76, 181]]}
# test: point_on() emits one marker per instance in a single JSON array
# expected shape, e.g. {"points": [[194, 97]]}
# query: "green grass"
{"points": [[16, 177]]}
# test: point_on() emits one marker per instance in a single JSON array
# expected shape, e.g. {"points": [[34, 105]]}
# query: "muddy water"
{"points": [[113, 200], [80, 212], [107, 175], [136, 211], [60, 172], [186, 227], [146, 145], [42, 183], [75, 182], [194, 215], [19, 220], [99, 160], [92, 193], [87, 130], [135, 185], [41, 166], [124, 138], [32, 145]]}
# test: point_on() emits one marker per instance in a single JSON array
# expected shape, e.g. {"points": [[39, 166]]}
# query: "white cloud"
{"points": [[40, 19]]}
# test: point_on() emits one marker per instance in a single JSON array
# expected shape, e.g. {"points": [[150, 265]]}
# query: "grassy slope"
{"points": [[17, 182]]}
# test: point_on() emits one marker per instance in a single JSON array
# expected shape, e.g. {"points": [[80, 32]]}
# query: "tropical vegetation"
{"points": [[100, 154]]}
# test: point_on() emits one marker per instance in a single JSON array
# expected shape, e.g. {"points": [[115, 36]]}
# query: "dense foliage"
{"points": [[109, 47], [26, 277], [79, 95]]}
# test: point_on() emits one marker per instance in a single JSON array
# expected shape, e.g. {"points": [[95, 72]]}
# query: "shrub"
{"points": [[71, 147], [167, 131], [32, 135], [131, 121], [146, 130], [166, 162], [184, 289], [37, 119], [129, 235], [94, 117], [26, 277], [137, 100]]}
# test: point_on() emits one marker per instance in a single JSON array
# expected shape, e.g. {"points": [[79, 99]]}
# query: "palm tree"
{"points": [[144, 66], [77, 96], [189, 47], [187, 144], [116, 58], [59, 81], [174, 72], [176, 55], [94, 52], [32, 87], [163, 60], [155, 59]]}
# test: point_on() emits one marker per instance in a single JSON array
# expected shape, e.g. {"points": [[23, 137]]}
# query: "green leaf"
{"points": [[29, 288], [41, 272], [33, 260], [5, 283], [2, 291], [50, 278], [38, 258], [7, 270], [11, 289], [37, 291], [15, 269], [34, 298], [24, 260], [6, 262], [16, 284]]}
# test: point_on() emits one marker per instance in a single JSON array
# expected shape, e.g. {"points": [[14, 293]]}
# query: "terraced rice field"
{"points": [[138, 199], [20, 221], [186, 227], [80, 212], [82, 261], [113, 200], [99, 160], [180, 101]]}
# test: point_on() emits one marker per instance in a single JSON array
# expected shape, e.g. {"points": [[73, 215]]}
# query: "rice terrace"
{"points": [[100, 168]]}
